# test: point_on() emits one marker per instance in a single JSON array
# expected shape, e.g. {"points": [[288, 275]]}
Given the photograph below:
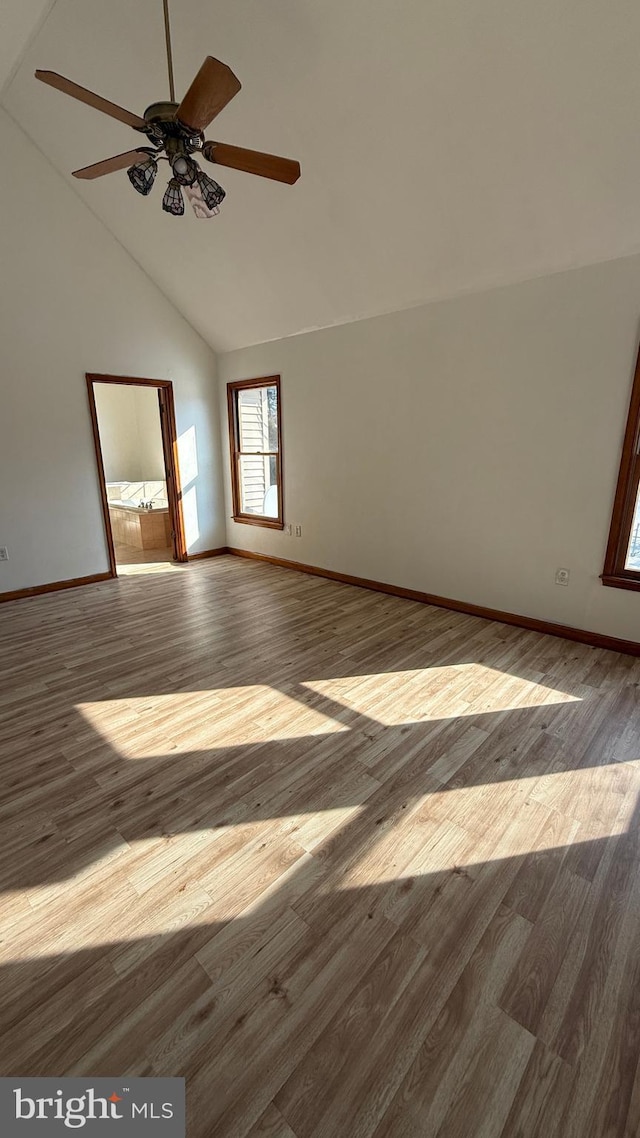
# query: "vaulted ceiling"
{"points": [[19, 22], [445, 146]]}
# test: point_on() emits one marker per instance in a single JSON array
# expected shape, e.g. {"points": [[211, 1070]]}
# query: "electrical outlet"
{"points": [[4, 553], [298, 531], [288, 529], [562, 576]]}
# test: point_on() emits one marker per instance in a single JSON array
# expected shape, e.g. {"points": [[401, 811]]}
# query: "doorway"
{"points": [[134, 432]]}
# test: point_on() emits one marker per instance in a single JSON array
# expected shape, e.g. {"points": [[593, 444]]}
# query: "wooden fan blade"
{"points": [[110, 165], [213, 87], [253, 162], [96, 101]]}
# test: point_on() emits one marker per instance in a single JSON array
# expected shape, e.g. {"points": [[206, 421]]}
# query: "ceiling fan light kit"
{"points": [[212, 193], [173, 201], [143, 175], [176, 132]]}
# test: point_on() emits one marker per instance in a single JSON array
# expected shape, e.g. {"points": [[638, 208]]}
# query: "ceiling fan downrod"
{"points": [[167, 33]]}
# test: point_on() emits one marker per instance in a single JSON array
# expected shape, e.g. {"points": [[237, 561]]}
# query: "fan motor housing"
{"points": [[164, 127], [161, 112]]}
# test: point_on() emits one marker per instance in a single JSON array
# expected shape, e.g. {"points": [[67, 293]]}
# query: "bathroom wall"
{"points": [[130, 433]]}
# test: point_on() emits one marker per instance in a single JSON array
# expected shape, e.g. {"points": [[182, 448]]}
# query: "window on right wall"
{"points": [[622, 563], [255, 436]]}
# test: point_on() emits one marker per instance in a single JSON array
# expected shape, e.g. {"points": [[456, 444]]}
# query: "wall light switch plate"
{"points": [[298, 531], [562, 576], [288, 529], [4, 553]]}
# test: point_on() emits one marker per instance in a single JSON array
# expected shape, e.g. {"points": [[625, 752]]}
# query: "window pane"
{"points": [[258, 418], [258, 485], [633, 553]]}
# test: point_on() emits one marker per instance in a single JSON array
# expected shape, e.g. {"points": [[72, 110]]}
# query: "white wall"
{"points": [[149, 434], [466, 448], [71, 301], [130, 432], [119, 436]]}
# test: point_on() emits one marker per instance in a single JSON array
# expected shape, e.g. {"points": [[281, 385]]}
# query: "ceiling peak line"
{"points": [[32, 36]]}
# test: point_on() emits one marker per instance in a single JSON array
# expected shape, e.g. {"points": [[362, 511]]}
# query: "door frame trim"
{"points": [[168, 427]]}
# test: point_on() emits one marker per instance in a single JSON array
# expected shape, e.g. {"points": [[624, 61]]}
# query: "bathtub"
{"points": [[140, 528]]}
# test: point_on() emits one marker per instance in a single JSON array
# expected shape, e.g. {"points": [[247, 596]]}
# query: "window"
{"points": [[256, 451], [622, 564]]}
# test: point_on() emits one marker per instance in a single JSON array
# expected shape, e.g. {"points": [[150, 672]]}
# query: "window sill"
{"points": [[266, 523], [622, 580]]}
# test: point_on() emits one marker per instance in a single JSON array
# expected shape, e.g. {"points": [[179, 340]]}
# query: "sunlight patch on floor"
{"points": [[160, 885], [149, 568], [419, 695], [211, 875], [445, 830], [183, 722]]}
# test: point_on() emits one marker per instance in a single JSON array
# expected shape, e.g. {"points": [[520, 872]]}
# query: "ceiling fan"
{"points": [[175, 132]]}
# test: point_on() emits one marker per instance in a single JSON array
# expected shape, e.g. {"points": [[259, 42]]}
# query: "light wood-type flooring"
{"points": [[130, 560], [354, 866]]}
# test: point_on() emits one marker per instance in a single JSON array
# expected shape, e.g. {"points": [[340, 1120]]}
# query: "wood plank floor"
{"points": [[128, 558], [350, 864]]}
